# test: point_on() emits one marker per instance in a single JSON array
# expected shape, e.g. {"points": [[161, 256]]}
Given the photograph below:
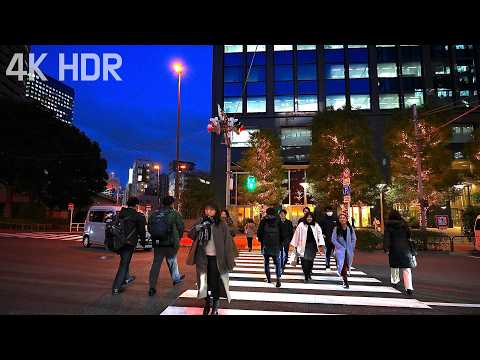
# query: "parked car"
{"points": [[94, 230]]}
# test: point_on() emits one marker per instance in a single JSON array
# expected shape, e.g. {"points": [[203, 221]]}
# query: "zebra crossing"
{"points": [[252, 295], [44, 235]]}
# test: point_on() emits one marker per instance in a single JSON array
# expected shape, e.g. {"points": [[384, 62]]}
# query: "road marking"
{"points": [[301, 277], [44, 236], [292, 271], [182, 310], [319, 299], [452, 304]]}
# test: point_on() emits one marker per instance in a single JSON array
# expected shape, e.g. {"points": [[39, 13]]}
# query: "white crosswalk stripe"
{"points": [[44, 235], [252, 295]]}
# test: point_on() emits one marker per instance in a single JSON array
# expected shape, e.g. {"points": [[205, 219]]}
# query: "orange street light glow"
{"points": [[178, 68], [156, 167]]}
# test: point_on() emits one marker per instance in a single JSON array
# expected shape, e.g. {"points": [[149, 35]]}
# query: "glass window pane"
{"points": [[233, 59], [255, 89], [358, 71], [307, 87], [333, 56], [233, 74], [360, 86], [334, 71], [307, 57], [412, 69], [306, 47], [387, 70], [387, 54], [257, 73], [296, 136], [251, 48], [413, 98], [389, 101], [334, 87], [232, 89], [232, 105], [284, 57], [284, 88], [333, 46], [360, 102], [258, 58], [233, 48], [242, 139], [388, 85], [336, 101], [283, 72], [358, 55], [282, 47], [307, 72], [283, 103], [307, 103], [441, 69], [356, 46], [256, 104]]}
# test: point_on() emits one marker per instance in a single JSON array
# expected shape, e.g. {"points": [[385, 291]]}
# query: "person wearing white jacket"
{"points": [[307, 239]]}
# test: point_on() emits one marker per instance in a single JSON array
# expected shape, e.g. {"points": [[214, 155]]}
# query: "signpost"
{"points": [[441, 221], [347, 192], [71, 206]]}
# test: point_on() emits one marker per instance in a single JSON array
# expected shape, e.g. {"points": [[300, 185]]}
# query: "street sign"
{"points": [[70, 206], [441, 221], [346, 181], [347, 190]]}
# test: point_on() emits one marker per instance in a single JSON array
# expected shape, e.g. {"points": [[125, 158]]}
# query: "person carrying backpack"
{"points": [[270, 236], [166, 229], [128, 227]]}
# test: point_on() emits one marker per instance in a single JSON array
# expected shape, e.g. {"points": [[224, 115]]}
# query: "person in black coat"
{"points": [[401, 254], [328, 222], [287, 235], [269, 234]]}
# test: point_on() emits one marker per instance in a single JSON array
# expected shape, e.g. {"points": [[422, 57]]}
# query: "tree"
{"points": [[263, 161], [196, 193], [342, 139], [52, 161], [437, 173]]}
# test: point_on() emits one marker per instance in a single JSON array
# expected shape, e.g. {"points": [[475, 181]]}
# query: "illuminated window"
{"points": [[256, 104], [413, 98], [357, 46], [389, 101], [233, 48], [306, 47], [334, 71], [336, 101], [242, 139], [251, 48], [360, 102], [283, 103], [282, 47], [232, 105], [387, 70], [307, 103], [296, 137], [333, 46], [358, 71], [412, 69]]}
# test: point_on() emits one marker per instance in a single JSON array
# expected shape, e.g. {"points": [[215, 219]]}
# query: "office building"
{"points": [[10, 86]]}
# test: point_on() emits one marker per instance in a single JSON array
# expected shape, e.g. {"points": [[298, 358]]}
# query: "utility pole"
{"points": [[421, 195]]}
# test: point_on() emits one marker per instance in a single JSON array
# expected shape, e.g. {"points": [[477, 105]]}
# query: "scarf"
{"points": [[205, 232]]}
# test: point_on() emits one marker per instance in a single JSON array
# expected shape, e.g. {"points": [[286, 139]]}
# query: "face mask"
{"points": [[329, 213]]}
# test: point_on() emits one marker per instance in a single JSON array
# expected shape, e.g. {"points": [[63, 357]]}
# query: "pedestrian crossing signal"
{"points": [[251, 183]]}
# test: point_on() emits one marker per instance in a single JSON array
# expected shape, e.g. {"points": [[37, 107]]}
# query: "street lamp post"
{"points": [[157, 167], [178, 69]]}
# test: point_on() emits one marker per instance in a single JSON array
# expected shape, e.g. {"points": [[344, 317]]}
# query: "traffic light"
{"points": [[251, 183]]}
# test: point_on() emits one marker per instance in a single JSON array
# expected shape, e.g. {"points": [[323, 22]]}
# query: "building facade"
{"points": [[288, 84], [146, 182], [52, 95], [11, 86]]}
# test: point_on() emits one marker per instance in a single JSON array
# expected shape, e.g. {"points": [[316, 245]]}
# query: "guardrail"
{"points": [[442, 242], [27, 227], [77, 226]]}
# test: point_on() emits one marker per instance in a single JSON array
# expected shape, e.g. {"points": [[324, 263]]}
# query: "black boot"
{"points": [[345, 283], [215, 307], [208, 305]]}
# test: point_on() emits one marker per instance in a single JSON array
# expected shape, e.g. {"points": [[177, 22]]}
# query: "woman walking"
{"points": [[213, 253], [307, 239], [250, 233], [344, 239], [225, 215], [401, 254]]}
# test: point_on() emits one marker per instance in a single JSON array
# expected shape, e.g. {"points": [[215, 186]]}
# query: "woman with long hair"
{"points": [[344, 239], [401, 253], [225, 215], [213, 253], [307, 239]]}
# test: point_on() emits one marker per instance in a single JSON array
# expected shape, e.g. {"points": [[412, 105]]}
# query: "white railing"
{"points": [[77, 226]]}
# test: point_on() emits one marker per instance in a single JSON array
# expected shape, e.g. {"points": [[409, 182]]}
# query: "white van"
{"points": [[94, 231]]}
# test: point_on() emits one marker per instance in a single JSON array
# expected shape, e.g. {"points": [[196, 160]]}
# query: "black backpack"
{"points": [[161, 228], [117, 233]]}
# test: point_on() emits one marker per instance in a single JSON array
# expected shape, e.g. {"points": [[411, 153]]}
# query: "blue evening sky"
{"points": [[137, 117]]}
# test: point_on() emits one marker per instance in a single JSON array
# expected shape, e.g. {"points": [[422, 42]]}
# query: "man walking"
{"points": [[328, 222], [270, 234], [134, 223], [287, 235], [166, 229]]}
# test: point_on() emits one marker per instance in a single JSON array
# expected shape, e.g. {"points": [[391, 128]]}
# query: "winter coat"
{"points": [[136, 221], [177, 226], [327, 224], [341, 245], [231, 227], [226, 252], [396, 242], [300, 237], [249, 229], [271, 245], [287, 231]]}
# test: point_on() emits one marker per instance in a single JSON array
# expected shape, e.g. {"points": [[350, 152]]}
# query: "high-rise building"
{"points": [[53, 95], [288, 84], [146, 182], [185, 168], [11, 86]]}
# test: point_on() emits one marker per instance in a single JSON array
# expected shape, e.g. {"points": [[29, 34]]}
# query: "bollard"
{"points": [[452, 248]]}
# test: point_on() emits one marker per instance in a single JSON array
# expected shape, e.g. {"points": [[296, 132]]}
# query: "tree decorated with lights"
{"points": [[342, 140], [263, 162]]}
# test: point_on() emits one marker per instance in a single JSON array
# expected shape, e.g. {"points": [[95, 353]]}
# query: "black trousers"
{"points": [[307, 267], [249, 242], [328, 253], [213, 277], [126, 254], [344, 271]]}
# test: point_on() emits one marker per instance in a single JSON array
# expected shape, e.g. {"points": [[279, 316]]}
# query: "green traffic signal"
{"points": [[251, 183]]}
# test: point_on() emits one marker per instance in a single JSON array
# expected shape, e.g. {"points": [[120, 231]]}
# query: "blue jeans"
{"points": [[159, 254], [278, 265], [284, 256]]}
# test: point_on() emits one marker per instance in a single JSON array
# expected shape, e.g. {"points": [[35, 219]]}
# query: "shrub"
{"points": [[368, 239]]}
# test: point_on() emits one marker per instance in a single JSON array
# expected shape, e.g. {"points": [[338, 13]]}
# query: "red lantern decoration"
{"points": [[210, 127]]}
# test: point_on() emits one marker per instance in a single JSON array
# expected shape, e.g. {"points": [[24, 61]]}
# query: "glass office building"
{"points": [[288, 84]]}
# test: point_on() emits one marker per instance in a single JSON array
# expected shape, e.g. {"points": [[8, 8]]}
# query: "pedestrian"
{"points": [[328, 222], [306, 210], [225, 215], [401, 253], [250, 233], [134, 223], [344, 239], [270, 236], [307, 239], [166, 229], [287, 235], [214, 254]]}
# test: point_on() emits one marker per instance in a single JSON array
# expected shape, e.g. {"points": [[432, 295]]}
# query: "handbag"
{"points": [[293, 258], [414, 261]]}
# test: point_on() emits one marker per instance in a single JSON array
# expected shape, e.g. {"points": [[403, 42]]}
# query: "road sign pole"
{"points": [[71, 218]]}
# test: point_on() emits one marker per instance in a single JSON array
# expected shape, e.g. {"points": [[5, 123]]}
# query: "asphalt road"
{"points": [[45, 276]]}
